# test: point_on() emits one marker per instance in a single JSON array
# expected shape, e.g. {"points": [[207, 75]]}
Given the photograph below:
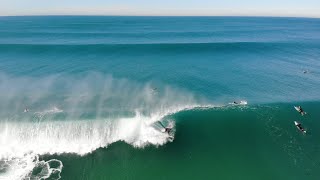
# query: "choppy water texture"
{"points": [[94, 89]]}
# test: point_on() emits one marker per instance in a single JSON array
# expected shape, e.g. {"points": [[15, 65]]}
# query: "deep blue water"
{"points": [[91, 81], [259, 59]]}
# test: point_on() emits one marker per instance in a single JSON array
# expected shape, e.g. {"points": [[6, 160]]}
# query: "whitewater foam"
{"points": [[30, 167], [22, 143], [78, 137], [91, 112]]}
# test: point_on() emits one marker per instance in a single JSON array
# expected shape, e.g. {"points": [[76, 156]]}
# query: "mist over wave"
{"points": [[78, 114], [94, 93]]}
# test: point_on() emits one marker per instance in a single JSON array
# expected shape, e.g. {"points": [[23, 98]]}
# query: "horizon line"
{"points": [[118, 15]]}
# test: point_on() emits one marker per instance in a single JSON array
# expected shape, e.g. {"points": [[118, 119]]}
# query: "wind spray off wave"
{"points": [[78, 115]]}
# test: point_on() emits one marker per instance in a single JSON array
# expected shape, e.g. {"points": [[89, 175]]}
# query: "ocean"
{"points": [[88, 97]]}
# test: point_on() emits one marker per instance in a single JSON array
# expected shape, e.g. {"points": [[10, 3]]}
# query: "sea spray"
{"points": [[77, 115]]}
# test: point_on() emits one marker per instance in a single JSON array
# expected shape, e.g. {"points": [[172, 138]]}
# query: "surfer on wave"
{"points": [[167, 129]]}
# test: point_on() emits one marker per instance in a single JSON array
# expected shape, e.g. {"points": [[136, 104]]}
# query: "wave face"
{"points": [[252, 141]]}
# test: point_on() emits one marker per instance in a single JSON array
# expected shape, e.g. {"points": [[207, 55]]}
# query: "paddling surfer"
{"points": [[299, 126], [301, 111]]}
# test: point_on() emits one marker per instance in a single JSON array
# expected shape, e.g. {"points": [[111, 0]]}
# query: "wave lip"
{"points": [[22, 143], [80, 137]]}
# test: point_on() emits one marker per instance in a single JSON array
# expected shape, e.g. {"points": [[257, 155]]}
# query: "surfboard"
{"points": [[243, 102], [297, 108], [240, 103], [300, 128]]}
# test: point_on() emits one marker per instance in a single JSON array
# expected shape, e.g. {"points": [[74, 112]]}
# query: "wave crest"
{"points": [[68, 114]]}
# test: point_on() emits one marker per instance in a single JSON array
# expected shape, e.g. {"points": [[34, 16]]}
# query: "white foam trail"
{"points": [[50, 111], [53, 110]]}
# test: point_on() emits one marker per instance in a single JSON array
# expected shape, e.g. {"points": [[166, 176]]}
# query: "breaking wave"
{"points": [[59, 114]]}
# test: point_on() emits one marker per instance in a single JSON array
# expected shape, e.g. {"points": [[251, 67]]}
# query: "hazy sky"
{"points": [[306, 8]]}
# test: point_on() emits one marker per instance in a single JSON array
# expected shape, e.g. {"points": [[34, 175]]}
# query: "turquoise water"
{"points": [[96, 87]]}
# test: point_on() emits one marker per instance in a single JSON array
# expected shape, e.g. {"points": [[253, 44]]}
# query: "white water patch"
{"points": [[46, 169], [70, 114], [80, 137], [22, 143], [30, 167]]}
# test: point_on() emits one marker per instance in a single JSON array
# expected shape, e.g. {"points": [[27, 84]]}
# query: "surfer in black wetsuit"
{"points": [[299, 126], [301, 111], [166, 129]]}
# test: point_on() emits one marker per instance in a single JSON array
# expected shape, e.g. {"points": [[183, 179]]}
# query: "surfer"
{"points": [[239, 103], [299, 126], [26, 110], [301, 111], [166, 129]]}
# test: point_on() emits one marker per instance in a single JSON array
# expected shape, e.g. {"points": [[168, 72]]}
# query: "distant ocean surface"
{"points": [[86, 97]]}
